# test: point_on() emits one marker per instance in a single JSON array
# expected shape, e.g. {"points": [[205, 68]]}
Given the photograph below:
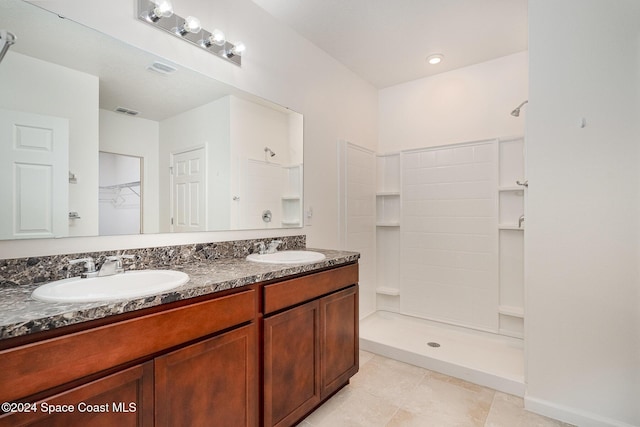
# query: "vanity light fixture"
{"points": [[435, 58], [156, 12]]}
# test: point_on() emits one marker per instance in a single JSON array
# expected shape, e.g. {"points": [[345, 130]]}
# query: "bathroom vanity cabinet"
{"points": [[310, 342], [177, 366], [193, 362]]}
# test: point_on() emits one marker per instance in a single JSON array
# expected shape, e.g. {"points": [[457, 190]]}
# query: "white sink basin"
{"points": [[288, 257], [125, 285]]}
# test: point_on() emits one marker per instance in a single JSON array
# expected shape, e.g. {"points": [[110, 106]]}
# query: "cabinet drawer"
{"points": [[278, 296], [35, 367]]}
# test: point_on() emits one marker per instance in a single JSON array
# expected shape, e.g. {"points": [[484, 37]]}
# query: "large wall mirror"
{"points": [[95, 133]]}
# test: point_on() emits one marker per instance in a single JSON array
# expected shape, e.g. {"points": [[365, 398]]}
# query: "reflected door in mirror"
{"points": [[188, 191], [33, 175]]}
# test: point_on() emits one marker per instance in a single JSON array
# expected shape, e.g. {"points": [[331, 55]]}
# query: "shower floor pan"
{"points": [[479, 357]]}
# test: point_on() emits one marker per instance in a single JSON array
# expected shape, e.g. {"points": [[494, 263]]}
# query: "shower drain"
{"points": [[433, 344]]}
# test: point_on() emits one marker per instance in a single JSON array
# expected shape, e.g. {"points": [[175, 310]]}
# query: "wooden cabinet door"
{"points": [[211, 383], [339, 339], [121, 399], [291, 364]]}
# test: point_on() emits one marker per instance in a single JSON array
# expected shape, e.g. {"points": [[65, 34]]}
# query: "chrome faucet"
{"points": [[113, 265], [89, 267], [262, 249], [520, 221], [273, 246]]}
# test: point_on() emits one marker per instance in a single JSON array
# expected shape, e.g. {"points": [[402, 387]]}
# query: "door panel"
{"points": [[189, 191], [34, 169], [210, 383], [291, 362], [121, 399], [339, 337]]}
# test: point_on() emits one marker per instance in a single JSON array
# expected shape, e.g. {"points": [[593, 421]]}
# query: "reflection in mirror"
{"points": [[120, 194], [212, 157]]}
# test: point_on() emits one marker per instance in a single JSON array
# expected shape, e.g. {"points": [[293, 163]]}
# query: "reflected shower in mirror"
{"points": [[200, 143]]}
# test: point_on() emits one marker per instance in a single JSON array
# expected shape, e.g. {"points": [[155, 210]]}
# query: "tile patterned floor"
{"points": [[388, 393]]}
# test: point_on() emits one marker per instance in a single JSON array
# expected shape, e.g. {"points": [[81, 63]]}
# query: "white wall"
{"points": [[136, 137], [268, 128], [581, 242], [280, 66], [469, 104], [40, 87]]}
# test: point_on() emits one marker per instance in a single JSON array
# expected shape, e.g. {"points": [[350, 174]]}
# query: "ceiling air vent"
{"points": [[126, 111], [162, 68]]}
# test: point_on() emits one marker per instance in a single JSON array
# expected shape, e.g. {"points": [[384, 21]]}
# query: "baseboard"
{"points": [[570, 415]]}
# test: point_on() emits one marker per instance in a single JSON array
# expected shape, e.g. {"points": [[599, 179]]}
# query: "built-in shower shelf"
{"points": [[514, 188], [293, 198], [512, 311], [510, 227], [388, 224], [388, 194], [383, 290]]}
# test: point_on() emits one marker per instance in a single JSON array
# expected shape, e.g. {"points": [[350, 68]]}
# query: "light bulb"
{"points": [[238, 49], [217, 38], [163, 9], [435, 59], [192, 24]]}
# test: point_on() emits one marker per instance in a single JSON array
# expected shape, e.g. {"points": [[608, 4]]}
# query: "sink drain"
{"points": [[433, 344]]}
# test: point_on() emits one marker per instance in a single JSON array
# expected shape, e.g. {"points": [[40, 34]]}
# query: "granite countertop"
{"points": [[22, 315]]}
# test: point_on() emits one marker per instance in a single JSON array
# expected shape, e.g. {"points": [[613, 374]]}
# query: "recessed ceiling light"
{"points": [[435, 59]]}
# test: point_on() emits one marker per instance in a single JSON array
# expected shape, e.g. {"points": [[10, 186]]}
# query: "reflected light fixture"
{"points": [[435, 59], [162, 9], [156, 12]]}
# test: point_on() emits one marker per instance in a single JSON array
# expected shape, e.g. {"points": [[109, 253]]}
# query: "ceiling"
{"points": [[386, 42]]}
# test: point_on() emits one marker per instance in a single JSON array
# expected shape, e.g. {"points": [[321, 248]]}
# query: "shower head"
{"points": [[270, 151], [6, 40], [516, 111]]}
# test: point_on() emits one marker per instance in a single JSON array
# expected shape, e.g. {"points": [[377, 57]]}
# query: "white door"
{"points": [[34, 180], [188, 191]]}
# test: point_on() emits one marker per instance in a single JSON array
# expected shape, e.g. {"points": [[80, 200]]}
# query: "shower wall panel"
{"points": [[449, 241], [358, 231]]}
